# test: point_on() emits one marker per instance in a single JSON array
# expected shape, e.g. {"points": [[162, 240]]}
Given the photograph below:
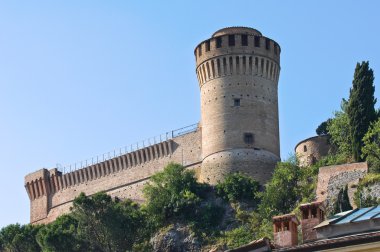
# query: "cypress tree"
{"points": [[361, 106], [342, 202]]}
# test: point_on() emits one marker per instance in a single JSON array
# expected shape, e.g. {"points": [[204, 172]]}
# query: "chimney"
{"points": [[312, 214], [285, 232]]}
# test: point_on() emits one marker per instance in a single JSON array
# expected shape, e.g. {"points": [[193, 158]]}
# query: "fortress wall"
{"points": [[332, 178], [121, 177]]}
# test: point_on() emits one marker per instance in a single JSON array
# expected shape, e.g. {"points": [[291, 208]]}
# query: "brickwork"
{"points": [[311, 215], [312, 149], [238, 71], [285, 232], [327, 177], [121, 177]]}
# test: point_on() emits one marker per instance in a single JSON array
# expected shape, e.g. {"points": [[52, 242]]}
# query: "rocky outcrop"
{"points": [[175, 238], [339, 181]]}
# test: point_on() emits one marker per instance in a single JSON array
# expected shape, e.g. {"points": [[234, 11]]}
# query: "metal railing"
{"points": [[127, 149]]}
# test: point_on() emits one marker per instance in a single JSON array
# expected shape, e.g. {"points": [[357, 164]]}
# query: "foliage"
{"points": [[365, 200], [342, 202], [106, 224], [338, 129], [19, 238], [281, 194], [174, 195], [361, 106], [238, 187], [322, 128], [238, 236], [61, 235], [371, 148]]}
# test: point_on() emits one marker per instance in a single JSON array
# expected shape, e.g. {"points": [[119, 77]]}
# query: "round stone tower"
{"points": [[238, 71]]}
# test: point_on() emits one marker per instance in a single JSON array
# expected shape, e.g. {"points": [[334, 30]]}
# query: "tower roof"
{"points": [[236, 29]]}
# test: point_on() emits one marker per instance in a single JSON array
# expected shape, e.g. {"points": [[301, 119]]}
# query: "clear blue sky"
{"points": [[79, 78]]}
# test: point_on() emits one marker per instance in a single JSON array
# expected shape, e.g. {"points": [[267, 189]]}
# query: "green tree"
{"points": [[361, 106], [339, 130], [61, 236], [281, 193], [238, 187], [322, 128], [371, 148], [342, 202], [19, 238], [174, 195], [107, 224]]}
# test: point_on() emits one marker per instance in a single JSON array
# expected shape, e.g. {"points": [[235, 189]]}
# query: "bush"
{"points": [[281, 193], [364, 199], [238, 187], [174, 195]]}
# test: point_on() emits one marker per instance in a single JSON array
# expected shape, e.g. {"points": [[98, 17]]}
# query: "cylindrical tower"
{"points": [[238, 70]]}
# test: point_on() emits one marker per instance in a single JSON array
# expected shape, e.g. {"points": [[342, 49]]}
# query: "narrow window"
{"points": [[237, 65], [248, 138], [250, 65], [224, 66], [244, 40], [236, 102], [231, 68], [218, 42], [244, 64], [200, 50], [231, 40], [304, 148], [212, 69], [275, 49], [207, 45], [267, 44], [218, 66], [257, 41]]}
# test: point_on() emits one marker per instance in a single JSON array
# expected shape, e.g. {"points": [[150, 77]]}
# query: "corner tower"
{"points": [[238, 71]]}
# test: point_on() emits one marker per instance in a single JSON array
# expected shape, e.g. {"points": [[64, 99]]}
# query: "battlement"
{"points": [[44, 182], [237, 41]]}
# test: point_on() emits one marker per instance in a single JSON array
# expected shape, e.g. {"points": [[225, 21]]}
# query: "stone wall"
{"points": [[332, 178], [51, 192]]}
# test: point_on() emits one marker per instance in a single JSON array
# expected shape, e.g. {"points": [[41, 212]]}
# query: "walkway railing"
{"points": [[127, 149]]}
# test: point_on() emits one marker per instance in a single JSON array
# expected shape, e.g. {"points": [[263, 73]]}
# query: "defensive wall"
{"points": [[238, 71], [332, 178], [51, 192]]}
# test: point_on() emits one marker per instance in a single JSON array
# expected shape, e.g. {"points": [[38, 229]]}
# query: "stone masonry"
{"points": [[238, 71]]}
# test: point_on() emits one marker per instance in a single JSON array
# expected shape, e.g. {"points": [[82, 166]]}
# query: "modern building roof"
{"points": [[353, 216]]}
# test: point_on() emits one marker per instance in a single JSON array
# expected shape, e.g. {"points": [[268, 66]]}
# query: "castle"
{"points": [[238, 71]]}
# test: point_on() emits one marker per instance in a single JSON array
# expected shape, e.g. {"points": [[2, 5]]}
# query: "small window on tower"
{"points": [[231, 40], [304, 148], [218, 42], [257, 41], [267, 44], [236, 102], [248, 138], [244, 40], [207, 45]]}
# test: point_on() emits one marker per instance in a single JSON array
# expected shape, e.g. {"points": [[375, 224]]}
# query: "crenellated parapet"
{"points": [[237, 50], [238, 71], [46, 182], [51, 192]]}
